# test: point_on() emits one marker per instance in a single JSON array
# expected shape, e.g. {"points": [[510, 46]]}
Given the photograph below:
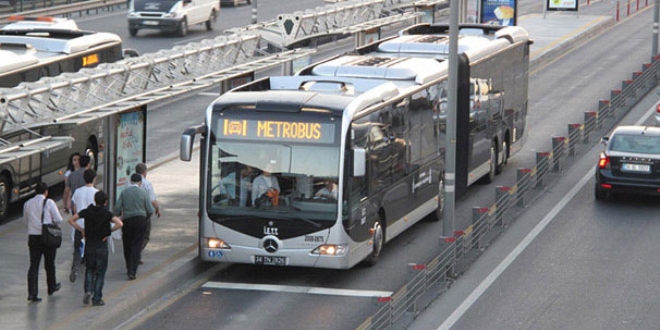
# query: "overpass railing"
{"points": [[74, 96], [167, 73]]}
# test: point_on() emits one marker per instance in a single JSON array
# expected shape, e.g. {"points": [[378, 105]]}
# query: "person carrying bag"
{"points": [[51, 234], [40, 214]]}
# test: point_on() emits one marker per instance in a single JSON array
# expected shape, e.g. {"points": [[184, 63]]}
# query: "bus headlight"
{"points": [[331, 250], [216, 243]]}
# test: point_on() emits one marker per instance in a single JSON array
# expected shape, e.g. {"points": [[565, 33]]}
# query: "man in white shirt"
{"points": [[33, 210], [81, 199]]}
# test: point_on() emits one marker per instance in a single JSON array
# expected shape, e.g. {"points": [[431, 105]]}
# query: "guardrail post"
{"points": [[542, 164], [383, 316], [448, 243], [617, 10], [503, 202], [589, 125], [557, 152], [573, 137], [605, 107], [480, 225], [414, 288], [523, 179]]}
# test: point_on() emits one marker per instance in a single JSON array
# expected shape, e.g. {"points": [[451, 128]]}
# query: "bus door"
{"points": [[362, 211], [479, 116]]}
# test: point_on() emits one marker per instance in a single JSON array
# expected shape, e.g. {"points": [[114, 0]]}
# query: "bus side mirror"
{"points": [[359, 162], [187, 141]]}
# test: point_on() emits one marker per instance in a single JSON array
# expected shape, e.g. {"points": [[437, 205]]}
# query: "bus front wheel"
{"points": [[490, 176], [378, 240]]}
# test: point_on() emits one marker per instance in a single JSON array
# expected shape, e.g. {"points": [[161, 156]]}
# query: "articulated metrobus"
{"points": [[323, 168]]}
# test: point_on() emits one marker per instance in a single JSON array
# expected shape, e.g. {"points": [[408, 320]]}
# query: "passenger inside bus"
{"points": [[237, 189]]}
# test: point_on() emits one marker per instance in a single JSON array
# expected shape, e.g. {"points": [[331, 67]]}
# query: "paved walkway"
{"points": [[171, 257]]}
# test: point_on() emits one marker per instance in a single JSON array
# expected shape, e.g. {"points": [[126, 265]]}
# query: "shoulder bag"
{"points": [[51, 234]]}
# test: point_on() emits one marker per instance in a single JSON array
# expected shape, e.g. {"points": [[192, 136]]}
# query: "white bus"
{"points": [[370, 122], [29, 50]]}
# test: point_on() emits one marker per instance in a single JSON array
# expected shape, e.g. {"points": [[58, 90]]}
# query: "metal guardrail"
{"points": [[63, 9], [341, 17], [426, 282], [152, 76]]}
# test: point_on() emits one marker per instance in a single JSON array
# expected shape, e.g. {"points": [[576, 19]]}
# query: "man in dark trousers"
{"points": [[33, 210], [134, 206], [76, 180], [141, 169], [98, 221]]}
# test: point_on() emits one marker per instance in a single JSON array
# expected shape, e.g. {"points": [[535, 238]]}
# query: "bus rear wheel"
{"points": [[505, 158], [440, 211], [5, 191], [488, 178], [378, 240]]}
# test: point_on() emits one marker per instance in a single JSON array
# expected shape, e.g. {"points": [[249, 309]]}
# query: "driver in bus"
{"points": [[266, 185], [329, 190]]}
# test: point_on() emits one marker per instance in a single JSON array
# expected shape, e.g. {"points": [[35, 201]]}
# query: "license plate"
{"points": [[636, 168], [150, 22], [270, 260]]}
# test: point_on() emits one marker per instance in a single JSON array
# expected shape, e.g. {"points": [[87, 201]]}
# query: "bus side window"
{"points": [[358, 185]]}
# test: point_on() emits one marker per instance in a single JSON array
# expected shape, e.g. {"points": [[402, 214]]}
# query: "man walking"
{"points": [[141, 169], [134, 207], [81, 199], [34, 210], [76, 180], [97, 229]]}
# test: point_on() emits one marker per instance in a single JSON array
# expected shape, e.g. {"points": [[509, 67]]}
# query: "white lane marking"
{"points": [[486, 283], [296, 289], [208, 94]]}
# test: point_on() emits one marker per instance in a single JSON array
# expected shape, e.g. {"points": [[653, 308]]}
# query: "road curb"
{"points": [[569, 42]]}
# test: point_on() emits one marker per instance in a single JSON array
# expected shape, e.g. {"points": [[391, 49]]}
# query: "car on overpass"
{"points": [[630, 162], [234, 3]]}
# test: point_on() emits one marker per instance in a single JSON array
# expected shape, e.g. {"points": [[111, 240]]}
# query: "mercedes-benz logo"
{"points": [[270, 245]]}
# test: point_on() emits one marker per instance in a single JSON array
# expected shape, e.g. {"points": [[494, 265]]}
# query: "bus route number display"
{"points": [[277, 130], [90, 60]]}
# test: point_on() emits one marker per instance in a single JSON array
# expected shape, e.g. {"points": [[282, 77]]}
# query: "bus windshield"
{"points": [[275, 180]]}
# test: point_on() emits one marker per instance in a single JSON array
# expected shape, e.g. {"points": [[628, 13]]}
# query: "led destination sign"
{"points": [[273, 130]]}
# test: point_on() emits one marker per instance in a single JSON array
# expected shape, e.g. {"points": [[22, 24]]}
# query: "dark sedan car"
{"points": [[630, 162]]}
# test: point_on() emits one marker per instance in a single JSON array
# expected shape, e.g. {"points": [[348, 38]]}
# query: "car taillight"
{"points": [[604, 162]]}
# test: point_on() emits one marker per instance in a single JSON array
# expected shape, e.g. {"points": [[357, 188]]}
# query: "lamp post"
{"points": [[450, 150]]}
